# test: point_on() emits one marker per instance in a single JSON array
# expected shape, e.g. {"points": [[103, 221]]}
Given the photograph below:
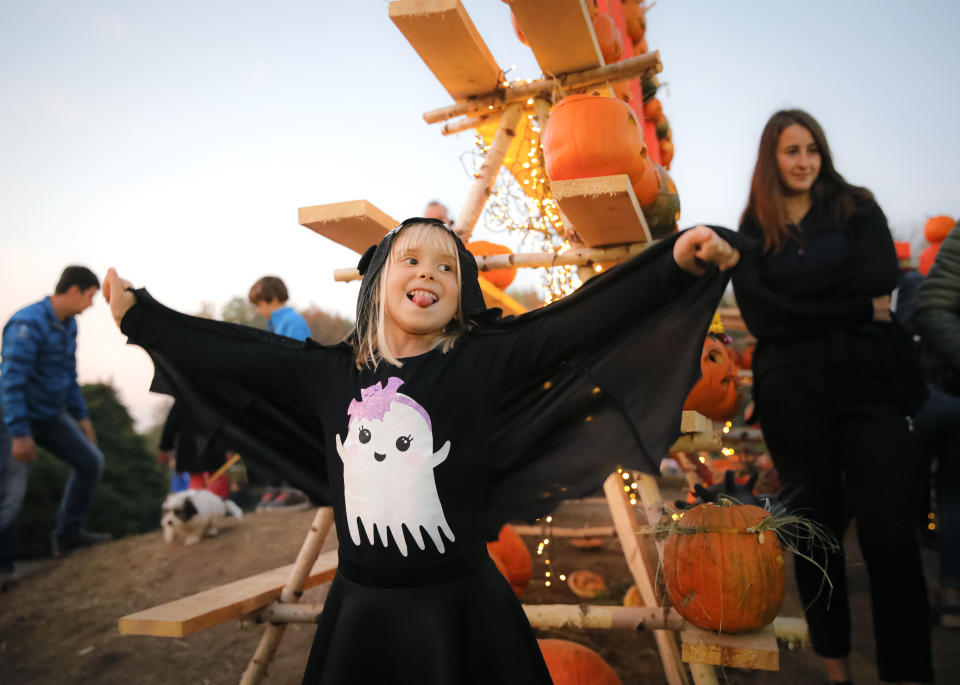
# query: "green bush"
{"points": [[126, 502]]}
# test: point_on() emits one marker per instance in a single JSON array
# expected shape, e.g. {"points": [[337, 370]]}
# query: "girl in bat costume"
{"points": [[435, 421]]}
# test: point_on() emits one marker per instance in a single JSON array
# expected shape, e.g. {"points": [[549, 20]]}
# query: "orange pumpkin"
{"points": [[592, 135], [664, 212], [499, 277], [903, 249], [517, 30], [666, 152], [719, 575], [498, 562], [608, 37], [586, 584], [928, 257], [648, 185], [937, 228], [622, 90], [635, 19], [652, 109], [640, 48], [715, 394], [587, 543], [662, 127], [571, 663], [509, 548], [633, 598]]}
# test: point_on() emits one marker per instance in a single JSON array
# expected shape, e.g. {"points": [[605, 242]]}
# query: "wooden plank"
{"points": [[224, 603], [560, 34], [698, 433], [494, 297], [604, 210], [744, 650], [357, 224], [695, 422], [444, 36]]}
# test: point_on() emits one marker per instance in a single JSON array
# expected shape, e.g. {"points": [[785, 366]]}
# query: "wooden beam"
{"points": [[641, 66], [757, 650], [494, 297], [224, 603], [575, 257], [566, 532], [603, 210], [356, 224], [560, 34], [444, 36]]}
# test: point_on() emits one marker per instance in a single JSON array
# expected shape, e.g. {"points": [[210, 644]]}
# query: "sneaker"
{"points": [[83, 538], [288, 499]]}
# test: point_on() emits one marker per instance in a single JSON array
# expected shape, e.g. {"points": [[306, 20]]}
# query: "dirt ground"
{"points": [[58, 624]]}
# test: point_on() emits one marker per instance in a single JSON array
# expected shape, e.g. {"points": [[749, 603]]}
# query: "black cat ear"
{"points": [[729, 480], [364, 262]]}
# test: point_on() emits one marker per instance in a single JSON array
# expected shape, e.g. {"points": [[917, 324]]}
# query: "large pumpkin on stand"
{"points": [[571, 663], [715, 394], [937, 228], [591, 135], [721, 573], [635, 19]]}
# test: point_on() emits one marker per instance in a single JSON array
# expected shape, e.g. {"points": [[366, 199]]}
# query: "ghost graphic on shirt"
{"points": [[388, 463]]}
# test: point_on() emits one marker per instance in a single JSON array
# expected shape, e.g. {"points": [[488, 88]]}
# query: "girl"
{"points": [[834, 379], [437, 421]]}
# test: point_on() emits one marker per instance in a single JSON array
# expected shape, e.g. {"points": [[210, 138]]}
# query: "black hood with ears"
{"points": [[373, 260]]}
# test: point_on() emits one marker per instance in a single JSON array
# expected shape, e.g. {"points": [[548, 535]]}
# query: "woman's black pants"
{"points": [[853, 458]]}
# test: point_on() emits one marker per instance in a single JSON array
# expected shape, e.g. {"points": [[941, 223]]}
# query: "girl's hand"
{"points": [[116, 294], [700, 246]]}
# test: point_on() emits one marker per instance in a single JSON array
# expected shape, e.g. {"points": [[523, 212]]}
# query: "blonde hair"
{"points": [[373, 347]]}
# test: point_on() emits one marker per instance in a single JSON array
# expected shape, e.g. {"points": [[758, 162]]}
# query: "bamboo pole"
{"points": [[487, 176], [257, 668], [584, 256], [555, 532], [640, 66], [464, 124]]}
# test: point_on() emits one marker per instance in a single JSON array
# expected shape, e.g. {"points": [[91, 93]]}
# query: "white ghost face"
{"points": [[388, 477]]}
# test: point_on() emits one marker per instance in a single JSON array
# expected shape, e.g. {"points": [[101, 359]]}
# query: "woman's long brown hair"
{"points": [[831, 194]]}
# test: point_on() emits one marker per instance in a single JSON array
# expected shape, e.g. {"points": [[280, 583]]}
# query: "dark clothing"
{"points": [[38, 374], [421, 463], [833, 389], [937, 317], [195, 453]]}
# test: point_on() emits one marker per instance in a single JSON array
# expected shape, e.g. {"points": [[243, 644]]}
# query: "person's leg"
{"points": [[800, 433], [13, 488], [66, 441], [948, 506], [879, 460]]}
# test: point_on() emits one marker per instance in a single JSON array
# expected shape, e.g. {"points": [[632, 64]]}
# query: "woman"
{"points": [[834, 381]]}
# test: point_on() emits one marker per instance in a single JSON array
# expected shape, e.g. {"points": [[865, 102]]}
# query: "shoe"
{"points": [[83, 538], [267, 499], [288, 499]]}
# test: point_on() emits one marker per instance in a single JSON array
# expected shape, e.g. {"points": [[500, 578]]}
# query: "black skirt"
{"points": [[466, 631]]}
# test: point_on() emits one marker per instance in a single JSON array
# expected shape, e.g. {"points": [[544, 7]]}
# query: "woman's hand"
{"points": [[116, 294], [700, 246], [881, 308]]}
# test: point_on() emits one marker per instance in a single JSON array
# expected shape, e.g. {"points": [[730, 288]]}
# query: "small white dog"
{"points": [[191, 514]]}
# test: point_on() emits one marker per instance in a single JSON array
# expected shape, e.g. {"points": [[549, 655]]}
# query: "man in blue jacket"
{"points": [[42, 405]]}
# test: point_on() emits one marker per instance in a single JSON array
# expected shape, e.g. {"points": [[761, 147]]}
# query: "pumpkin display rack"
{"points": [[606, 210]]}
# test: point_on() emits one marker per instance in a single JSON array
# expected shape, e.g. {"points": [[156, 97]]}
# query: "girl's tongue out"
{"points": [[421, 299]]}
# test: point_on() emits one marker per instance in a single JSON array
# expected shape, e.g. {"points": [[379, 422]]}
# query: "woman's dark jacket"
{"points": [[936, 317]]}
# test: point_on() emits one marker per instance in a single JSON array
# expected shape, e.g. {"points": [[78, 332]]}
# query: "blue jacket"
{"points": [[286, 321], [38, 371]]}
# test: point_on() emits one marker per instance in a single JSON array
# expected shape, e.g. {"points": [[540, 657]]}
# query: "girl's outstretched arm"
{"points": [[700, 246]]}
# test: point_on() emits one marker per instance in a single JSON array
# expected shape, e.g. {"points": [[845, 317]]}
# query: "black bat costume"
{"points": [[422, 464]]}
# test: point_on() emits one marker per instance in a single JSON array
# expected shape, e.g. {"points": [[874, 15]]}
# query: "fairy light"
{"points": [[543, 550]]}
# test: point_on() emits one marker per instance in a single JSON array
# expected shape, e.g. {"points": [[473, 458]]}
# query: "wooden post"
{"points": [[257, 668], [487, 176], [643, 568]]}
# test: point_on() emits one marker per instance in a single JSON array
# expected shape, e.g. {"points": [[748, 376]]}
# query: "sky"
{"points": [[176, 140]]}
